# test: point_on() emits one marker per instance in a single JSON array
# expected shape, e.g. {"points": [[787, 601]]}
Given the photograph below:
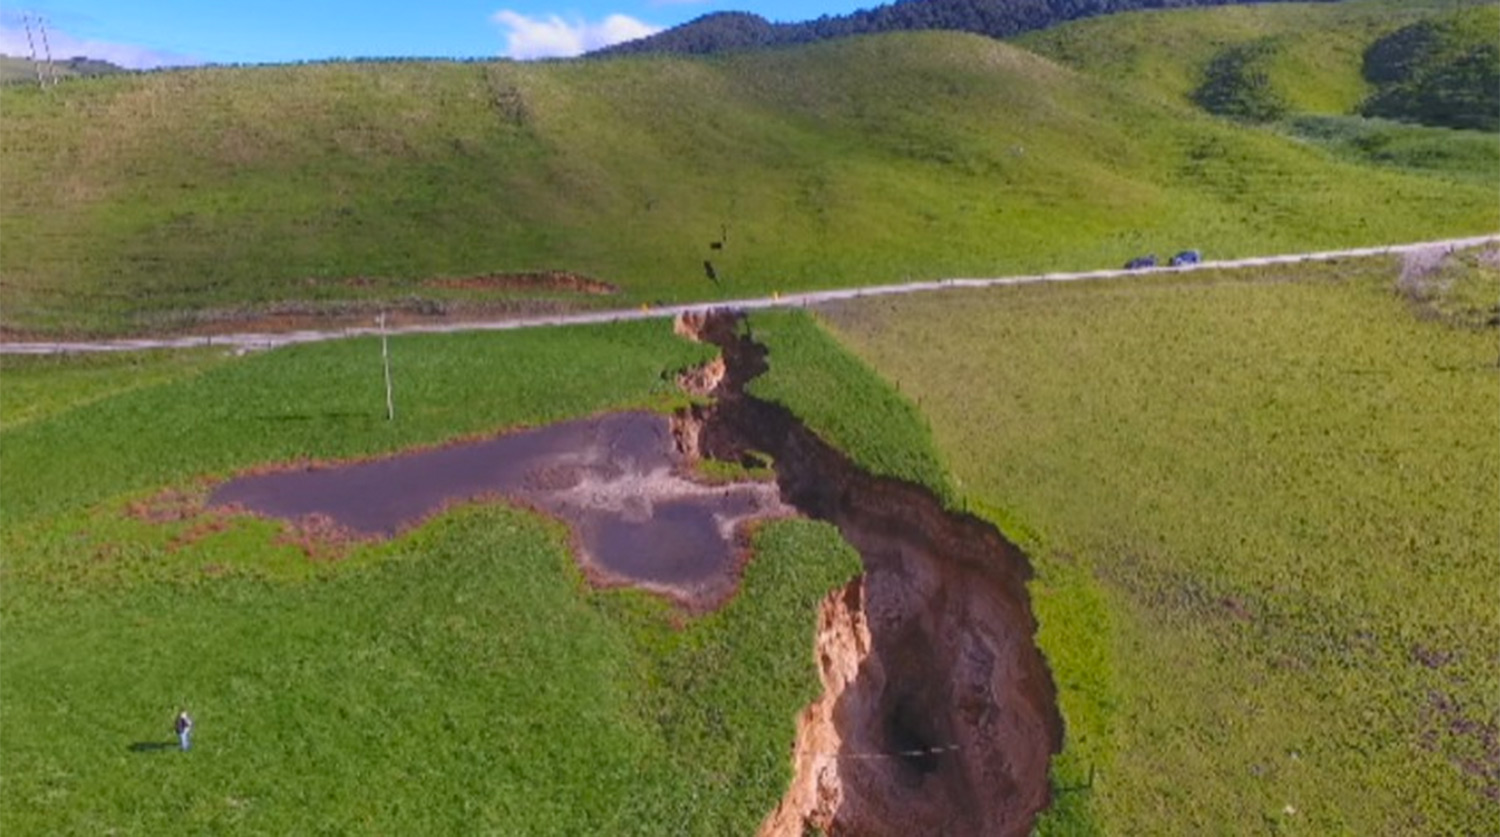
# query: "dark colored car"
{"points": [[1187, 257], [1141, 263]]}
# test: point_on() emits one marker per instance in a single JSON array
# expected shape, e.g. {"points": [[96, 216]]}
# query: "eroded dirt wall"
{"points": [[939, 713]]}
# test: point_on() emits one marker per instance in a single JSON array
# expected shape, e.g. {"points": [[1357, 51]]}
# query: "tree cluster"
{"points": [[730, 31], [1237, 84], [1443, 72]]}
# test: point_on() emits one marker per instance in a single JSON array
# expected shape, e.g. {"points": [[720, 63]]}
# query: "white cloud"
{"points": [[64, 46], [554, 36]]}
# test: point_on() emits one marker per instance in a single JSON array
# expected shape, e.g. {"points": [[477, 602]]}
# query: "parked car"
{"points": [[1141, 263], [1187, 257]]}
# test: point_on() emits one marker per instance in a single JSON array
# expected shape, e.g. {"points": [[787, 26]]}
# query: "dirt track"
{"points": [[257, 341]]}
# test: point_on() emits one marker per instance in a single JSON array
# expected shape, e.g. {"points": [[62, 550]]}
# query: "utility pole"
{"points": [[385, 360], [31, 49], [41, 24]]}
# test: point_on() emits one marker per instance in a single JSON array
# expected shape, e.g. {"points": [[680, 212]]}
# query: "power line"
{"points": [[37, 62], [31, 49], [895, 754], [46, 50]]}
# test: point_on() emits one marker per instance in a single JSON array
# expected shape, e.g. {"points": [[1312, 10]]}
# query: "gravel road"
{"points": [[258, 341]]}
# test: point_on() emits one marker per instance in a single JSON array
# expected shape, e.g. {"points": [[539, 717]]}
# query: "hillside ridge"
{"points": [[730, 31], [209, 199]]}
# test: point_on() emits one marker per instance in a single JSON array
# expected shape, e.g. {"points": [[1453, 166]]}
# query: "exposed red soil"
{"points": [[701, 381], [551, 280], [843, 646], [167, 506], [357, 315], [319, 537], [310, 317]]}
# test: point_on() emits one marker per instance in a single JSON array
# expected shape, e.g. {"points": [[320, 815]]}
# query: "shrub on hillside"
{"points": [[1443, 71], [1237, 84]]}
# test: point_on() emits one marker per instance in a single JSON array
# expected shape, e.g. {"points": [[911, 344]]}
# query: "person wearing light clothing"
{"points": [[184, 727]]}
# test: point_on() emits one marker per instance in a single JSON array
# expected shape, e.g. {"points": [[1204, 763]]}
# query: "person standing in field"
{"points": [[184, 727]]}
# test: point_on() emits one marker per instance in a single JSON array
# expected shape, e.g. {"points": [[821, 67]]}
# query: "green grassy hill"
{"points": [[1263, 513], [1312, 54], [1440, 71], [158, 201], [728, 31]]}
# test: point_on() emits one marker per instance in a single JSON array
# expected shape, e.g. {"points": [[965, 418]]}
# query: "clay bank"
{"points": [[938, 714]]}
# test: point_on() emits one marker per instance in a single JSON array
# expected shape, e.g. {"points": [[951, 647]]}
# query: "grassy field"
{"points": [[844, 402], [1263, 512], [1303, 70], [462, 677], [1315, 51], [150, 202], [1261, 505], [40, 386], [1472, 155], [327, 401]]}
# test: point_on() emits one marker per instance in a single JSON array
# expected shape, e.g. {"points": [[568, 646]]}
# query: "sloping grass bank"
{"points": [[155, 202], [1263, 513]]}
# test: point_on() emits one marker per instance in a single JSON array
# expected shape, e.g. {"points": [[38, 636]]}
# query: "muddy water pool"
{"points": [[617, 480]]}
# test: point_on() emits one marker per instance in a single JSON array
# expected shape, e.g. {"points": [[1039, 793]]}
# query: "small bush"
{"points": [[1237, 84]]}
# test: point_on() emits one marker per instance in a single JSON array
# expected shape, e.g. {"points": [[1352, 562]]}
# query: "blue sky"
{"points": [[147, 33]]}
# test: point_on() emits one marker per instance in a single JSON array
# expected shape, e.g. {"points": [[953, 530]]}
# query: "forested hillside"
{"points": [[726, 31], [1442, 71]]}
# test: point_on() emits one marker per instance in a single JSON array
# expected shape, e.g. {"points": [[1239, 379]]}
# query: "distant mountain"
{"points": [[727, 31]]}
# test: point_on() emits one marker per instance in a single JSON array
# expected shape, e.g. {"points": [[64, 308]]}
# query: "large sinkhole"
{"points": [[949, 718]]}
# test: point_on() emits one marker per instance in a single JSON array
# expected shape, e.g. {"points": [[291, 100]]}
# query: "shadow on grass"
{"points": [[152, 746]]}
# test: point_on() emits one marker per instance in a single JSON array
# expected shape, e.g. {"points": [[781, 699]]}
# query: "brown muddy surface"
{"points": [[550, 280], [939, 714], [617, 480]]}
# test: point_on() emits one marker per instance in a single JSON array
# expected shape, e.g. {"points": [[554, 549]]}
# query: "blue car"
{"points": [[1187, 257], [1141, 263]]}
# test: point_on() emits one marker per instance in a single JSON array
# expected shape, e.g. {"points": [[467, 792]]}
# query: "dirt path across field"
{"points": [[269, 340]]}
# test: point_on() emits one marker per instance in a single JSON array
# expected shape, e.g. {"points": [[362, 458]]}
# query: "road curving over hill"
{"points": [[255, 341]]}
